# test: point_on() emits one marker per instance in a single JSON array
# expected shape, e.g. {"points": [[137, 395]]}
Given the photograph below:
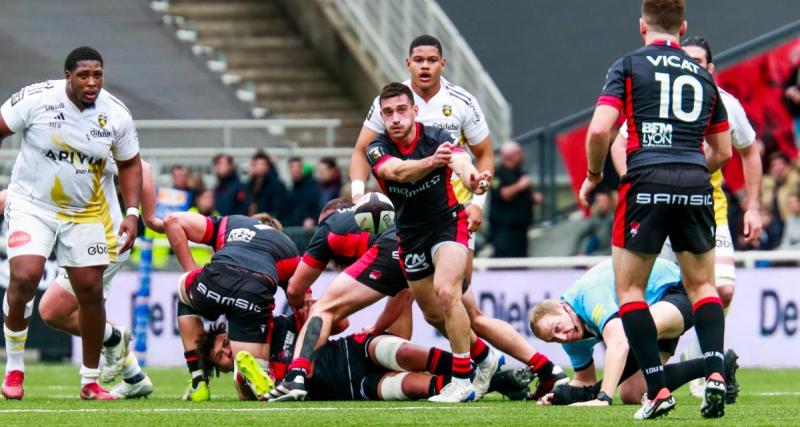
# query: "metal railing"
{"points": [[384, 30], [539, 143]]}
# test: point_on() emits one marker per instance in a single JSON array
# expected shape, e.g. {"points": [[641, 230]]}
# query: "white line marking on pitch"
{"points": [[776, 393], [152, 410]]}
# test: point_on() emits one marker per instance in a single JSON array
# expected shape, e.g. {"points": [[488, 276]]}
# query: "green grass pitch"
{"points": [[51, 399]]}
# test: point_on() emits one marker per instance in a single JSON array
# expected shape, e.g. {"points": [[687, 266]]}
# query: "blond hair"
{"points": [[547, 307]]}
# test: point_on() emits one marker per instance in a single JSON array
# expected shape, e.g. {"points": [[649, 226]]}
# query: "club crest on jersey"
{"points": [[102, 120], [634, 229], [447, 110], [374, 154]]}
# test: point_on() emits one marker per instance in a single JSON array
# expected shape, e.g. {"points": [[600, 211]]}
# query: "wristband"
{"points": [[605, 397], [132, 211], [357, 187], [478, 200]]}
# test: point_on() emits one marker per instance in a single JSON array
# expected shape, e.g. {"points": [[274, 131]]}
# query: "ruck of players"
{"points": [[660, 118]]}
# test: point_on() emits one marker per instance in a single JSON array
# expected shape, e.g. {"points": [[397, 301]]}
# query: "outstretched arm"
{"points": [[393, 169], [477, 182]]}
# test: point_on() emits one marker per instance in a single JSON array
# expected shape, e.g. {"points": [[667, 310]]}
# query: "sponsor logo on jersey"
{"points": [[674, 199], [411, 192], [98, 133], [656, 134], [73, 156], [17, 97], [53, 107], [18, 238], [375, 275], [224, 300], [447, 110], [58, 118], [102, 120], [375, 153], [447, 126], [415, 262], [241, 235], [97, 248], [634, 229], [673, 61]]}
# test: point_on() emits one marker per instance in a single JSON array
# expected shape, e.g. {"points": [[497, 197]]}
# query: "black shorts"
{"points": [[341, 368], [663, 201], [379, 267], [244, 297], [677, 296], [416, 248]]}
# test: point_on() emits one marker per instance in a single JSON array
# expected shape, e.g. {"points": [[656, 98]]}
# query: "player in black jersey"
{"points": [[359, 366], [252, 258], [671, 104], [413, 164]]}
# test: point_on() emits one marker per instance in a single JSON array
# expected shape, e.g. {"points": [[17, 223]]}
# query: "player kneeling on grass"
{"points": [[252, 259], [587, 314], [356, 367]]}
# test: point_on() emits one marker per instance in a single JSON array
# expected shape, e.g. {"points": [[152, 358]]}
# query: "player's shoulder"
{"points": [[435, 135], [458, 94], [730, 101], [114, 105], [341, 221], [37, 92]]}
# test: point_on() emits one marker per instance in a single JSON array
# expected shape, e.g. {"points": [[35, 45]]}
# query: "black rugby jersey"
{"points": [[670, 104], [427, 202], [246, 243], [338, 238]]}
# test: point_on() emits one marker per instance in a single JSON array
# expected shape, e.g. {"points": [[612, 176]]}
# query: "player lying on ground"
{"points": [[587, 315], [252, 258], [70, 129], [360, 366], [366, 280]]}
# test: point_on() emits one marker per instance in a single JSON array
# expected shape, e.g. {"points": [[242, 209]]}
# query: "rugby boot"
{"points": [[141, 388], [115, 356], [548, 381], [198, 393], [455, 392], [257, 379], [731, 386], [93, 391], [661, 405], [291, 388], [12, 385], [513, 383], [483, 376], [713, 405]]}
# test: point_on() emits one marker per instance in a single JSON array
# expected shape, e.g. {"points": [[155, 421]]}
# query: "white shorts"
{"points": [[724, 268], [32, 232], [63, 279]]}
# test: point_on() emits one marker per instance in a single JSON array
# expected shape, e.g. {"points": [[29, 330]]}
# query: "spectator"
{"points": [[791, 224], [791, 97], [230, 196], [594, 237], [180, 177], [781, 181], [204, 204], [771, 236], [303, 206], [330, 180], [267, 192], [512, 204]]}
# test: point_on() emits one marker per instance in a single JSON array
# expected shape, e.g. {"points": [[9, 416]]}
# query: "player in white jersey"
{"points": [[743, 137], [56, 203], [445, 105]]}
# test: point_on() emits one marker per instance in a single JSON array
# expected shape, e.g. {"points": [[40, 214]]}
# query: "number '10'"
{"points": [[677, 97]]}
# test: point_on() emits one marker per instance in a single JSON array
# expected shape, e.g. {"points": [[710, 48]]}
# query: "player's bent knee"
{"points": [[386, 350], [391, 388]]}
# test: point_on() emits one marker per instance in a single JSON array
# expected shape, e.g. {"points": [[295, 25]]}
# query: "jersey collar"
{"points": [[667, 43], [410, 149]]}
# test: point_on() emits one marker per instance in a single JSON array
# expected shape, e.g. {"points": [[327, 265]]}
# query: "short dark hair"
{"points": [[425, 40], [177, 167], [332, 206], [395, 89], [664, 15], [778, 155], [83, 53], [328, 161], [205, 348], [701, 43], [295, 159], [220, 156], [260, 155]]}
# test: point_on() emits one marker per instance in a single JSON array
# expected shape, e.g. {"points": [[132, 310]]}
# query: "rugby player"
{"points": [[252, 258], [379, 366], [670, 104], [58, 307], [413, 164], [587, 315], [743, 138], [56, 203]]}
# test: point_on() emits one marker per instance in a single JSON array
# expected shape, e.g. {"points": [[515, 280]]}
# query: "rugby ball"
{"points": [[374, 213]]}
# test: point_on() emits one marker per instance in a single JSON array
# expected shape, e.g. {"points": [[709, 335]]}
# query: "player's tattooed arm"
{"points": [[181, 228]]}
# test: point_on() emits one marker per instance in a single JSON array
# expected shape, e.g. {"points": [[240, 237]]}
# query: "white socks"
{"points": [[89, 375], [15, 349], [107, 332]]}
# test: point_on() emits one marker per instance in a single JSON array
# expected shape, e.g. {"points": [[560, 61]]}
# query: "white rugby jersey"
{"points": [[65, 151], [452, 108]]}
